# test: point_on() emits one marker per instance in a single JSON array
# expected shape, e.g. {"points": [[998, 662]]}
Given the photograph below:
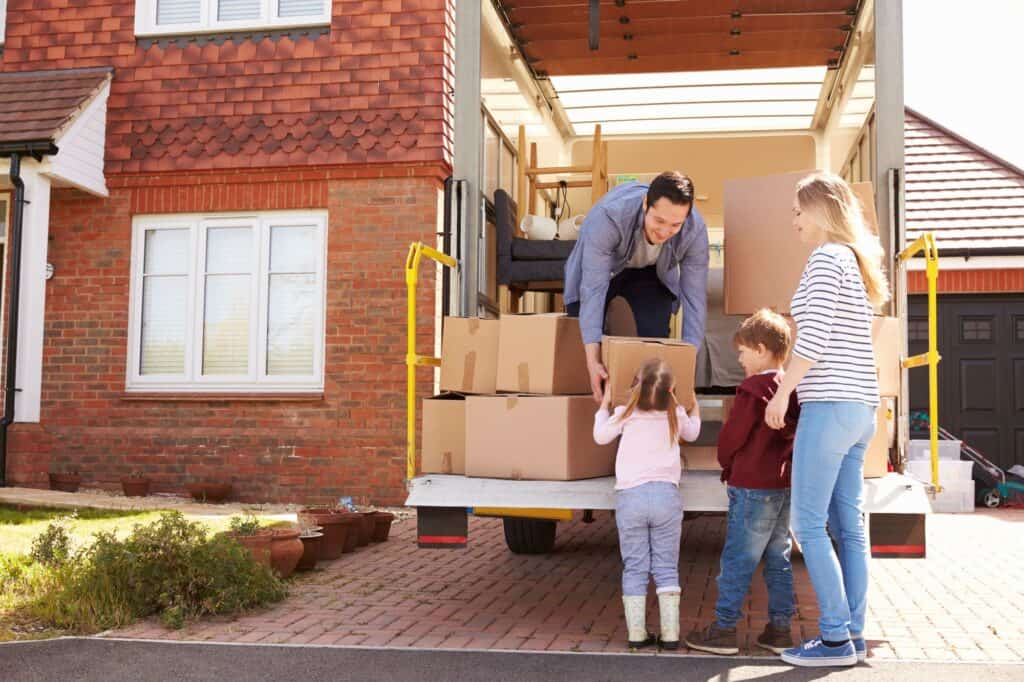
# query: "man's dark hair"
{"points": [[671, 185]]}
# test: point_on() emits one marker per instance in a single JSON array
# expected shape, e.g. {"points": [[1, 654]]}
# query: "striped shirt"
{"points": [[833, 317]]}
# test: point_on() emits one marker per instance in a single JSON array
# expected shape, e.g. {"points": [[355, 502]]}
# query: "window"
{"points": [[1018, 329], [3, 20], [917, 330], [225, 303], [976, 329], [156, 17]]}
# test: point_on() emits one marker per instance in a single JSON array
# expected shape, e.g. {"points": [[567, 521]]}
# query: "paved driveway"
{"points": [[964, 602]]}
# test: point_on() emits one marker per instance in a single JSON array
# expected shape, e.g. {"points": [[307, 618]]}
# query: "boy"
{"points": [[756, 464]]}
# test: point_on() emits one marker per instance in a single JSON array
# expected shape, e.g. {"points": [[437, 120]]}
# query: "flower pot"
{"points": [[382, 526], [135, 486], [365, 528], [336, 527], [310, 551], [285, 551], [352, 537], [67, 483], [214, 493], [258, 546]]}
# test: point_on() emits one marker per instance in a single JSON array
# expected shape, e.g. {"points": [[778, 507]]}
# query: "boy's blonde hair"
{"points": [[653, 390], [838, 211], [766, 328]]}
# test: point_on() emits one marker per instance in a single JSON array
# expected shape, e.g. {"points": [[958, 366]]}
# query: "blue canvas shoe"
{"points": [[814, 654], [861, 647]]}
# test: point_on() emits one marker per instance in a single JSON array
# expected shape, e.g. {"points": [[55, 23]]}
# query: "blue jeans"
{"points": [[649, 299], [650, 522], [758, 527], [828, 489]]}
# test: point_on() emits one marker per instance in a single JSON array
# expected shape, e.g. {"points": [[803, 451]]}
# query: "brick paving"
{"points": [[964, 602]]}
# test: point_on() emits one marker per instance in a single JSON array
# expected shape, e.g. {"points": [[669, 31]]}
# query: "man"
{"points": [[649, 245]]}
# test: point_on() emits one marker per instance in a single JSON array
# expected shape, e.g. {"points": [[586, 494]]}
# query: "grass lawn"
{"points": [[19, 527]]}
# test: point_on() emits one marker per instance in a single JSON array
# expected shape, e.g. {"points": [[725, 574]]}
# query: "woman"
{"points": [[833, 371]]}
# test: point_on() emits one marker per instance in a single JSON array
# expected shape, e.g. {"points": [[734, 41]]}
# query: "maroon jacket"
{"points": [[753, 455]]}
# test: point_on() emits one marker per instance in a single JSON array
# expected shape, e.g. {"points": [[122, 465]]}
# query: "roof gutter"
{"points": [[36, 149]]}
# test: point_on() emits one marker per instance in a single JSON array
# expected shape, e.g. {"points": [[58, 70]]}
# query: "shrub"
{"points": [[52, 547], [169, 567]]}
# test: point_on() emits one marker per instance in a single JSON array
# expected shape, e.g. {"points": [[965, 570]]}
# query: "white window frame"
{"points": [[3, 20], [257, 380], [146, 14]]}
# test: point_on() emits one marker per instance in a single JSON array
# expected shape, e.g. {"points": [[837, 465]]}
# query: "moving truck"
{"points": [[745, 102]]}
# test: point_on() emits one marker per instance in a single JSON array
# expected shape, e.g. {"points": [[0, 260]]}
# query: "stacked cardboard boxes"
{"points": [[517, 403]]}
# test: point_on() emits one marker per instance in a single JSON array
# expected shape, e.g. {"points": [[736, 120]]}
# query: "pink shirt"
{"points": [[645, 452]]}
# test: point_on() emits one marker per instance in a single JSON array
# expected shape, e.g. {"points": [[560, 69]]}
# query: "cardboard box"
{"points": [[548, 438], [469, 355], [885, 337], [700, 457], [444, 435], [542, 354], [764, 257], [865, 191], [876, 459], [623, 356]]}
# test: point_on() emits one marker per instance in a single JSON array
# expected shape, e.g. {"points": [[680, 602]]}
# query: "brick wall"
{"points": [[352, 441], [374, 89], [1003, 280]]}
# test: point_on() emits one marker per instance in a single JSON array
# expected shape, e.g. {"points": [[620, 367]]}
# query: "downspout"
{"points": [[17, 215]]}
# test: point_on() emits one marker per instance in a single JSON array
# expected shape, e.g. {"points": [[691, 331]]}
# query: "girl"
{"points": [[648, 509], [833, 371]]}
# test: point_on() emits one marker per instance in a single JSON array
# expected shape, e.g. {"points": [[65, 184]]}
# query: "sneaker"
{"points": [[775, 639], [714, 640], [814, 654], [861, 647]]}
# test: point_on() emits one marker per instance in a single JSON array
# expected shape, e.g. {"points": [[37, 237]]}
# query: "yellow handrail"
{"points": [[412, 275], [926, 244]]}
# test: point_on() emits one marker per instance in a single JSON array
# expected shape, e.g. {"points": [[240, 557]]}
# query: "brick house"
{"points": [[973, 202], [226, 220]]}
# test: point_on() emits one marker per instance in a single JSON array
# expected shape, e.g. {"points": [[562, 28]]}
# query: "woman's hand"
{"points": [[775, 412], [695, 410]]}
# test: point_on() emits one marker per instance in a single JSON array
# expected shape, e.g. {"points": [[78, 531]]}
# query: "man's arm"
{"points": [[693, 285], [600, 241]]}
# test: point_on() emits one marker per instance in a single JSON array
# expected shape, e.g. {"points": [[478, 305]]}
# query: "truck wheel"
{"points": [[529, 536]]}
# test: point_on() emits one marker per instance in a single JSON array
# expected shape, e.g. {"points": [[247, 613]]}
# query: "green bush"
{"points": [[52, 547], [169, 567]]}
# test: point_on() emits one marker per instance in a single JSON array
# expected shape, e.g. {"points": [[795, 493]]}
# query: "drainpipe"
{"points": [[17, 214]]}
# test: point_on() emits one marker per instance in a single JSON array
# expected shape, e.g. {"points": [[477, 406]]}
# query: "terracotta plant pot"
{"points": [[336, 527], [134, 486], [285, 551], [214, 493], [365, 528], [382, 525], [67, 483], [352, 538], [258, 546], [310, 551]]}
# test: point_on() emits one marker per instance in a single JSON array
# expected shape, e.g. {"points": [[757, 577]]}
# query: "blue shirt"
{"points": [[606, 241]]}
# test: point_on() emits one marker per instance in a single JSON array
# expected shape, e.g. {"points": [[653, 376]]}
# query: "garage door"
{"points": [[981, 376]]}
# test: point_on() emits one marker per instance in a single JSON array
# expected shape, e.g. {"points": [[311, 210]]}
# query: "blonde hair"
{"points": [[838, 212], [765, 328], [653, 390]]}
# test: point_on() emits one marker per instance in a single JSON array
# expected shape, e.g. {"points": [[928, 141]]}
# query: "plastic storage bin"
{"points": [[921, 449]]}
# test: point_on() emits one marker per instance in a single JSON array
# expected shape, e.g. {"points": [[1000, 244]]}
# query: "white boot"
{"points": [[668, 607], [636, 621]]}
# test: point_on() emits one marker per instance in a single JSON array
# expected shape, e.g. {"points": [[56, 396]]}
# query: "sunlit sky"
{"points": [[964, 68]]}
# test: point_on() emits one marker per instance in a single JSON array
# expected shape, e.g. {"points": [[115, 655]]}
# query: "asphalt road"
{"points": [[73, 659]]}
